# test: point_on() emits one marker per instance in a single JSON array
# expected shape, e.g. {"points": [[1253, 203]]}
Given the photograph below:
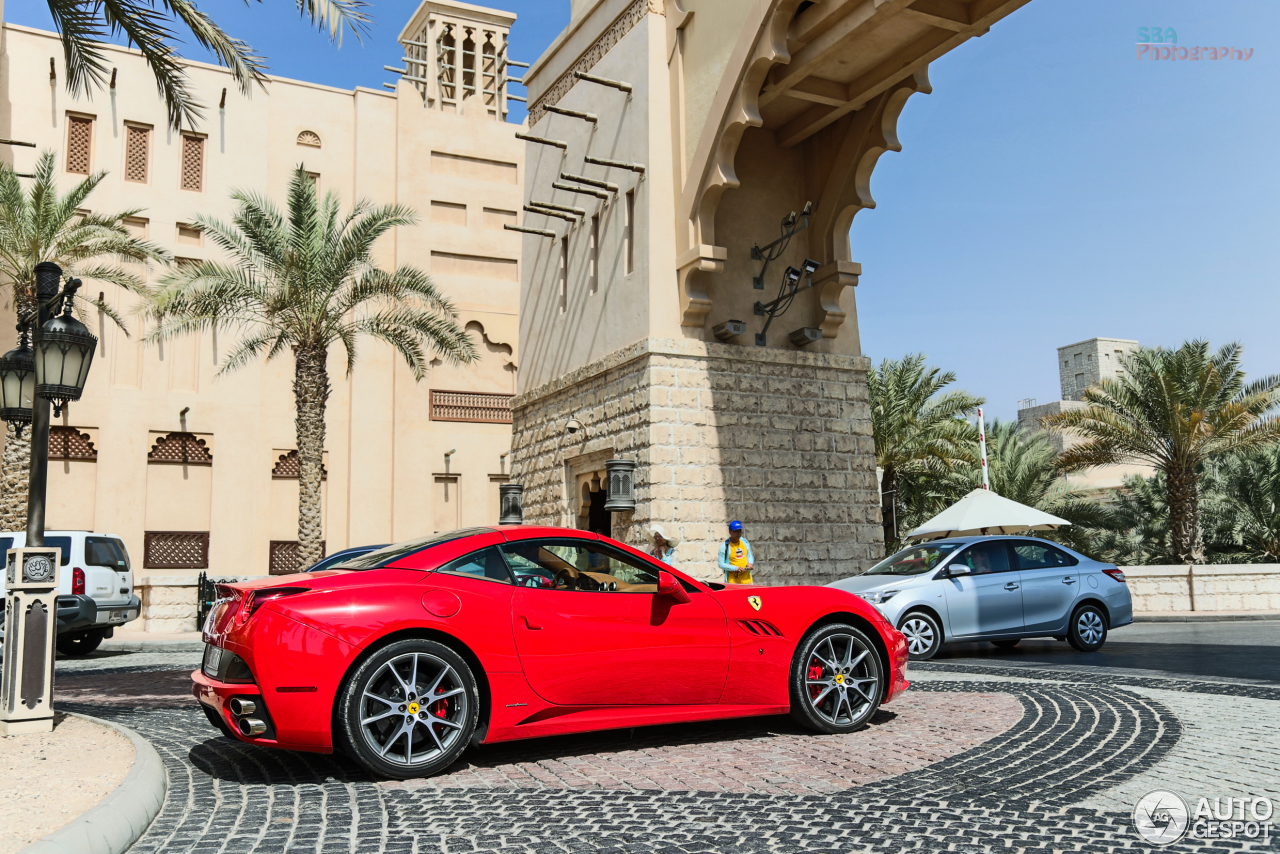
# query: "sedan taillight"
{"points": [[77, 582], [1117, 574]]}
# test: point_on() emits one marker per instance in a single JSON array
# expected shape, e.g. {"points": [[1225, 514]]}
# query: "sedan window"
{"points": [[983, 558], [1041, 556], [914, 561], [573, 565]]}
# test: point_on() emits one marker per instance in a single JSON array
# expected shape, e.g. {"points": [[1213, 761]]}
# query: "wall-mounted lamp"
{"points": [[786, 296], [805, 336], [773, 251], [729, 330]]}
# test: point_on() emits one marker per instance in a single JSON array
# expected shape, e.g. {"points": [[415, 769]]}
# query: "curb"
{"points": [[1207, 617], [152, 646], [121, 818]]}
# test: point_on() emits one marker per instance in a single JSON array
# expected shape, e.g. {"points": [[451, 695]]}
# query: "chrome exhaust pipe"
{"points": [[241, 707], [251, 726]]}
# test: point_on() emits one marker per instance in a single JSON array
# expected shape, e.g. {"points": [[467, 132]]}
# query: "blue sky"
{"points": [[1052, 188]]}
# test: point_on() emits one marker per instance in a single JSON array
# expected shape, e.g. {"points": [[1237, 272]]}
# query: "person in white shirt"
{"points": [[664, 545]]}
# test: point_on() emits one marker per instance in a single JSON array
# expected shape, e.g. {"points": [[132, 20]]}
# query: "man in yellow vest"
{"points": [[736, 558]]}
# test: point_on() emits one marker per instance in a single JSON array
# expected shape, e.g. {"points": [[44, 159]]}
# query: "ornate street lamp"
{"points": [[18, 381], [64, 353]]}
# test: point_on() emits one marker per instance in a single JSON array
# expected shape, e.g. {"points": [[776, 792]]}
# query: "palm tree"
{"points": [[920, 431], [84, 26], [1250, 495], [302, 284], [1175, 410], [39, 225]]}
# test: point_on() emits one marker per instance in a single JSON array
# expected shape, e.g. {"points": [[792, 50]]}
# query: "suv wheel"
{"points": [[409, 709], [836, 680], [1088, 631], [924, 635], [76, 644]]}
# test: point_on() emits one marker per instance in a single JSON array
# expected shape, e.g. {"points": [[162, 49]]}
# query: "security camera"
{"points": [[573, 426]]}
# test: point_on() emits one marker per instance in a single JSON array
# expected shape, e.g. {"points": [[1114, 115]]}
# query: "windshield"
{"points": [[391, 554], [915, 560]]}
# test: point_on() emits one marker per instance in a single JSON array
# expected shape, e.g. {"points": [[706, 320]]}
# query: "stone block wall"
{"points": [[1216, 587], [780, 439]]}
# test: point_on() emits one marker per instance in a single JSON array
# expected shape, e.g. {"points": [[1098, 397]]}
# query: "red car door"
{"points": [[591, 630]]}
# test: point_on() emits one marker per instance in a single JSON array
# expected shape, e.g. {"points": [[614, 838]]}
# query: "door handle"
{"points": [[1068, 580], [1011, 586], [530, 626]]}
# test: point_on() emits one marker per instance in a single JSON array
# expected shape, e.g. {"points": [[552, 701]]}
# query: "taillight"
{"points": [[1117, 574], [257, 598], [77, 581]]}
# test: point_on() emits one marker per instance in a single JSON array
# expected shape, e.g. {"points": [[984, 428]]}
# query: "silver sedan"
{"points": [[1000, 589]]}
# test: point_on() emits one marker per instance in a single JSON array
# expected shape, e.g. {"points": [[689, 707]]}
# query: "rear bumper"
{"points": [[79, 613], [215, 696]]}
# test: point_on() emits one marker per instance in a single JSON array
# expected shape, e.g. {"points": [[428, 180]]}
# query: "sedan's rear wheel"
{"points": [[836, 679], [1088, 630], [923, 634], [410, 709]]}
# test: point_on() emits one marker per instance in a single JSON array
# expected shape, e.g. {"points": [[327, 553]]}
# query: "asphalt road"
{"points": [[1229, 650]]}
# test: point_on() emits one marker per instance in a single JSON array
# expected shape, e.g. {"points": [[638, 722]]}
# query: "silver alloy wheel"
{"points": [[919, 635], [403, 722], [839, 675], [1089, 626]]}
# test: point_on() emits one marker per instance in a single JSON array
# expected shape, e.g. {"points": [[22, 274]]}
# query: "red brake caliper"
{"points": [[815, 672]]}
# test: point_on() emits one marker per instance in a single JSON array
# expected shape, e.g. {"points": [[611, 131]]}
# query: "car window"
{"points": [[105, 551], [580, 566], [486, 563], [391, 554], [6, 543], [984, 558], [914, 561], [63, 543], [336, 559], [1041, 556]]}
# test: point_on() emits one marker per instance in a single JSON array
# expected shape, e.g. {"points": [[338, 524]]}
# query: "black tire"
{"points": [[381, 697], [1010, 643], [76, 644], [844, 662], [1087, 631], [217, 722], [924, 635]]}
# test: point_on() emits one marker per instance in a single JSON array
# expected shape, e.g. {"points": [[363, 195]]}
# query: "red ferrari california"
{"points": [[405, 656]]}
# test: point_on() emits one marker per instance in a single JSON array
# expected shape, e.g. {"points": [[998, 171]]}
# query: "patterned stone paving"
{"points": [[1041, 761]]}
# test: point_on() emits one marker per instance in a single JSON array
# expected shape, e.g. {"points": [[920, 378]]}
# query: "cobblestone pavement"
{"points": [[1037, 760]]}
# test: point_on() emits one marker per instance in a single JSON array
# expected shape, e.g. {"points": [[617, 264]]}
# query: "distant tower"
{"points": [[1089, 362], [453, 51]]}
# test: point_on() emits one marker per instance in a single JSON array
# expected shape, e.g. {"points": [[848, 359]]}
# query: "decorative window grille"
{"points": [[471, 406], [192, 162], [68, 443], [284, 557], [178, 448], [309, 137], [79, 144], [289, 467], [137, 153], [175, 550]]}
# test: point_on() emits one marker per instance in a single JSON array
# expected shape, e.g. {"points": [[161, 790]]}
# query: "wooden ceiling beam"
{"points": [[945, 14]]}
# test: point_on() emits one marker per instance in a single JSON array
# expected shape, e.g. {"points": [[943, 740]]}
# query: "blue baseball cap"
{"points": [[735, 525]]}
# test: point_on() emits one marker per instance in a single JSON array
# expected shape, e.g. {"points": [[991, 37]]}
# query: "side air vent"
{"points": [[760, 628]]}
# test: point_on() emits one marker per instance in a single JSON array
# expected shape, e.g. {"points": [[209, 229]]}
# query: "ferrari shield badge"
{"points": [[755, 602]]}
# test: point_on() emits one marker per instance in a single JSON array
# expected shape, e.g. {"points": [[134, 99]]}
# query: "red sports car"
{"points": [[406, 655]]}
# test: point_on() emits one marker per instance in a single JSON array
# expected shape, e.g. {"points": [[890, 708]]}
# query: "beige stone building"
{"points": [[194, 469], [678, 141]]}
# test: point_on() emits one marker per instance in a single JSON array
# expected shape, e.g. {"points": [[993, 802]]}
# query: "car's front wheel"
{"points": [[409, 710], [837, 682], [923, 634], [76, 644], [1088, 630]]}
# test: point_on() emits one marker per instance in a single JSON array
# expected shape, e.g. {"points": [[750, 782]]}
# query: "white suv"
{"points": [[95, 589]]}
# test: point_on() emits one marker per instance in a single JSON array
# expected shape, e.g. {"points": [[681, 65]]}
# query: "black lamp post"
{"points": [[53, 370]]}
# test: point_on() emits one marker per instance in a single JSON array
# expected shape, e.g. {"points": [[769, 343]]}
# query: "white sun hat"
{"points": [[673, 540]]}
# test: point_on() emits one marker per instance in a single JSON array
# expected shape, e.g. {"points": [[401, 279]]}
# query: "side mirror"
{"points": [[669, 585], [956, 570]]}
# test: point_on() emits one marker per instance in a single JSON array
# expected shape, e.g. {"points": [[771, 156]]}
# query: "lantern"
{"points": [[18, 382], [621, 488], [65, 352], [510, 504]]}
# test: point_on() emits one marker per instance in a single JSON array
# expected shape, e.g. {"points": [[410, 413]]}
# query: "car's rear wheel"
{"points": [[837, 682], [1088, 631], [1010, 643], [923, 634], [80, 643], [409, 709]]}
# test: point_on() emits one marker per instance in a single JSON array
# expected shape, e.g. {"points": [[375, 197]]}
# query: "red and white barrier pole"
{"points": [[982, 447]]}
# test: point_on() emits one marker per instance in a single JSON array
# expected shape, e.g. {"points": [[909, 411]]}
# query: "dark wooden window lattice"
{"points": [[68, 443], [180, 449], [137, 153], [192, 163], [289, 467], [471, 406], [175, 550], [79, 144], [284, 557]]}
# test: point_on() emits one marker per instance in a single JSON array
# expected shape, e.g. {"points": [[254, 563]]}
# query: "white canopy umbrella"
{"points": [[984, 512]]}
